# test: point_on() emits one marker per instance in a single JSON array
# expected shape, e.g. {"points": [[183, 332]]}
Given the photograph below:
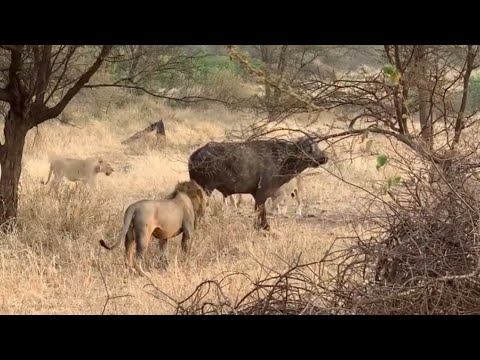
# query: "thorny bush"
{"points": [[416, 251]]}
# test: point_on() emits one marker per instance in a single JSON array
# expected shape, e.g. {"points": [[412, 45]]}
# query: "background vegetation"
{"points": [[390, 223]]}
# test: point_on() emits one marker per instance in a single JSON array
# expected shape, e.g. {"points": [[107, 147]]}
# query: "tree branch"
{"points": [[5, 95], [182, 99], [50, 113], [14, 84], [43, 74], [466, 82], [65, 62], [11, 47], [412, 142]]}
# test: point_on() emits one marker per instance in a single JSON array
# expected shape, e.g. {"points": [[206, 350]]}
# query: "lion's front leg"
{"points": [[57, 179], [91, 182]]}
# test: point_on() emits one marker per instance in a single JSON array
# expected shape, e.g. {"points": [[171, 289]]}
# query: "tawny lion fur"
{"points": [[293, 189], [85, 170], [164, 219]]}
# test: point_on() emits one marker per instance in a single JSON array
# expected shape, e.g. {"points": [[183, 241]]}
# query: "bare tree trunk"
{"points": [[27, 92], [272, 94], [266, 56], [459, 123], [423, 95], [269, 101], [135, 55], [11, 155], [275, 97]]}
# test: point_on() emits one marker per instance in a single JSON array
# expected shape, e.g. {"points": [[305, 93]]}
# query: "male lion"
{"points": [[84, 170], [164, 219]]}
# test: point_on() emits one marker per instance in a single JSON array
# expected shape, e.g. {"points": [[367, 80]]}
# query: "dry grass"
{"points": [[52, 262]]}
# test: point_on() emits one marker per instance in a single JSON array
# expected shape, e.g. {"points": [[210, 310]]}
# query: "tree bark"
{"points": [[423, 96], [266, 57], [275, 97], [11, 154], [25, 91], [459, 123], [272, 94]]}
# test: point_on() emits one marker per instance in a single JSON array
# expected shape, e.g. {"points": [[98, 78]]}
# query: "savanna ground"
{"points": [[52, 262]]}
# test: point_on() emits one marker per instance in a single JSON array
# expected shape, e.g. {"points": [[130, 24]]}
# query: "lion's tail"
{"points": [[49, 176], [51, 158], [129, 214]]}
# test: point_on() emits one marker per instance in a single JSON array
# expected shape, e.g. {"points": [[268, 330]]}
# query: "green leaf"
{"points": [[393, 74], [394, 181], [395, 78], [381, 161], [389, 69]]}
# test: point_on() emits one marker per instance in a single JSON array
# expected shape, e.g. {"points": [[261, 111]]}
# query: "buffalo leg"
{"points": [[261, 220]]}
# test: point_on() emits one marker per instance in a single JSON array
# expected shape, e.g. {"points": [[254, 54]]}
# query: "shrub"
{"points": [[416, 252]]}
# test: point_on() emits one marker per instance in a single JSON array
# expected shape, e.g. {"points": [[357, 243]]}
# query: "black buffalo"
{"points": [[256, 167]]}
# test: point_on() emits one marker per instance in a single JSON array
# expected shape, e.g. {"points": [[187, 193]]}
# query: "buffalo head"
{"points": [[310, 151]]}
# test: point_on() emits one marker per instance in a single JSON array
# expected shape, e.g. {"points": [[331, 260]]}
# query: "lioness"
{"points": [[294, 189], [164, 219], [235, 199], [84, 170]]}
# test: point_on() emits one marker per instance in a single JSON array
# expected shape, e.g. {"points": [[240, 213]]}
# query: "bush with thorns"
{"points": [[418, 253]]}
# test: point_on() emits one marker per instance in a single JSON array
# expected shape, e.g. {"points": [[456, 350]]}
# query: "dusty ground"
{"points": [[53, 264]]}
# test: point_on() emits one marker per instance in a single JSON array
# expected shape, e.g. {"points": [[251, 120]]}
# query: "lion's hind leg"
{"points": [[187, 232], [130, 250], [163, 253], [142, 240]]}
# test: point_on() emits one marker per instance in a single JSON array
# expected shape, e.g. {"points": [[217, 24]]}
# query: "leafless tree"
{"points": [[37, 82], [157, 70], [413, 250], [288, 64], [431, 81]]}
